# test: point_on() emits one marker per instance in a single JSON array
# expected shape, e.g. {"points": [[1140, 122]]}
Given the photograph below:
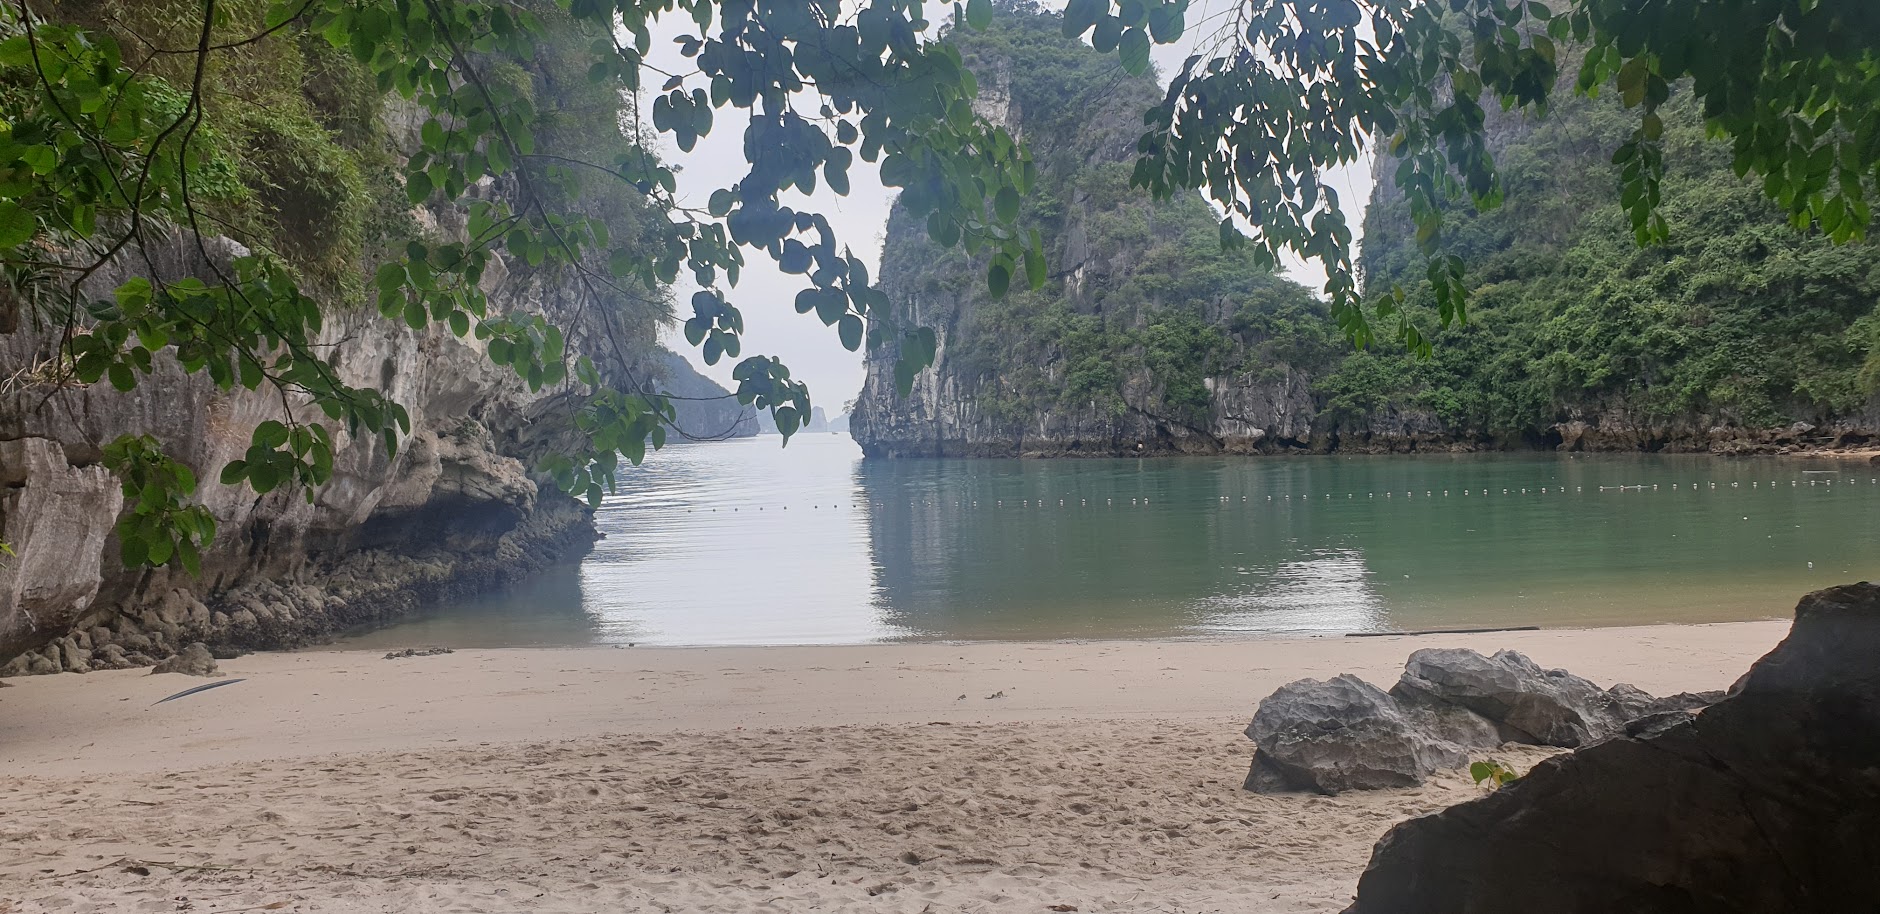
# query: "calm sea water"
{"points": [[747, 543]]}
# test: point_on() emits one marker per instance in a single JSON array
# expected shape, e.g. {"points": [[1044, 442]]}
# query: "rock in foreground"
{"points": [[1450, 704], [1768, 801], [1345, 734], [1542, 707]]}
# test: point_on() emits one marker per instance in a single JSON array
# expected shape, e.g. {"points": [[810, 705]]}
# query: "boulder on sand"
{"points": [[1532, 705], [1449, 706], [1767, 801], [1343, 734], [194, 660]]}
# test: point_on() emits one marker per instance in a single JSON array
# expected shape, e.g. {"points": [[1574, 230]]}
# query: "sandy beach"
{"points": [[919, 777]]}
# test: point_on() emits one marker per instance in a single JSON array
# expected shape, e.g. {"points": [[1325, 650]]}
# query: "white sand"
{"points": [[775, 779]]}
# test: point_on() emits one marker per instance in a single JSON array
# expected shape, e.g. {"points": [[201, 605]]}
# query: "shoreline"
{"points": [[316, 701], [1100, 776]]}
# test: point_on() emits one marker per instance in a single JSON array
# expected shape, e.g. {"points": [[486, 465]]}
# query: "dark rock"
{"points": [[1343, 734], [1266, 777], [416, 652], [1767, 801], [110, 657], [1532, 705], [1633, 701], [194, 660], [1685, 701], [1656, 723]]}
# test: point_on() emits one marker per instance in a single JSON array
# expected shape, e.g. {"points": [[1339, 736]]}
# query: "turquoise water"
{"points": [[744, 542]]}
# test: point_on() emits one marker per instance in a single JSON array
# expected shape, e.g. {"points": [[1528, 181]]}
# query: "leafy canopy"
{"points": [[106, 147]]}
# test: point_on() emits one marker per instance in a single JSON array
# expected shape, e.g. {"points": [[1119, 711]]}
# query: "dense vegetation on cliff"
{"points": [[1737, 319], [1141, 307], [1147, 330]]}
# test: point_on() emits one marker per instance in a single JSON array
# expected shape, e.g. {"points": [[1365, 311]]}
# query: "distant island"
{"points": [[819, 421]]}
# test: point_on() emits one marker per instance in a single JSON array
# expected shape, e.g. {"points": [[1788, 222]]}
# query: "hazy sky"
{"points": [[767, 295]]}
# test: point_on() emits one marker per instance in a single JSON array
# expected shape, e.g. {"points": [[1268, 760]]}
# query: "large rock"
{"points": [[1344, 734], [1767, 801], [1533, 705], [194, 660]]}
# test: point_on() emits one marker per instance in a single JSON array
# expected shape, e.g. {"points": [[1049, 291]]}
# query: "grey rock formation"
{"points": [[193, 660], [1767, 801], [456, 511], [1449, 707], [45, 499], [1346, 734], [1542, 707]]}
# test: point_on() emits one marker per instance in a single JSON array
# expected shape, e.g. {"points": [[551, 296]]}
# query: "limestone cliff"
{"points": [[1146, 338], [706, 411], [457, 510], [1739, 336]]}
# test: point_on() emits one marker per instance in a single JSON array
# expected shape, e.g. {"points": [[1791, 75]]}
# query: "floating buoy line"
{"points": [[1848, 485]]}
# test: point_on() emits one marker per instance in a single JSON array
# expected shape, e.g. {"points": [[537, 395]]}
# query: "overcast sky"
{"points": [[767, 296]]}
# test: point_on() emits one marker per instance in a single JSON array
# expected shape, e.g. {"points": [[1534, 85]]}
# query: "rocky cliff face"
{"points": [[456, 511], [1147, 338], [1741, 336]]}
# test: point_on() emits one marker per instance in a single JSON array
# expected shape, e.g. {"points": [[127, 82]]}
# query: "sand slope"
{"points": [[1103, 815], [787, 779]]}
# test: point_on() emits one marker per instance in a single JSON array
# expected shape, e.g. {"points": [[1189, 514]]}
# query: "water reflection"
{"points": [[747, 543], [1330, 591]]}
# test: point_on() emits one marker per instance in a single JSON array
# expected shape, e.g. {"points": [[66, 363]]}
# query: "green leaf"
{"points": [[1134, 51], [978, 14], [418, 187], [121, 377], [1005, 203], [849, 328], [998, 279], [16, 224], [133, 294], [160, 550]]}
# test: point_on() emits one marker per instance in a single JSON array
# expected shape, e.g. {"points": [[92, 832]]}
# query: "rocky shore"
{"points": [[458, 510]]}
